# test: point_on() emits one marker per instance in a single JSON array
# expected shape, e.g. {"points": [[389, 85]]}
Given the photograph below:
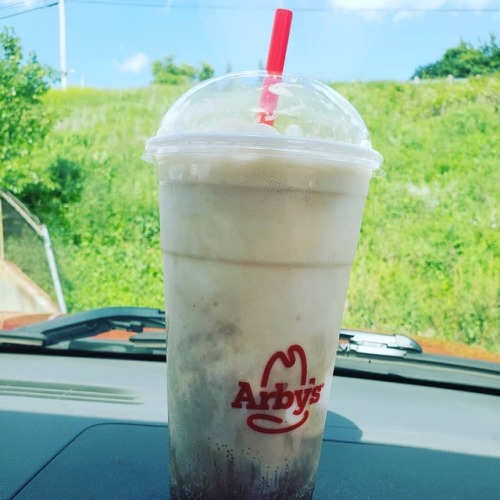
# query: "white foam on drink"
{"points": [[233, 127]]}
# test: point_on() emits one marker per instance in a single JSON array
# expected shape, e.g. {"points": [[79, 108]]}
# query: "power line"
{"points": [[12, 4], [296, 9], [29, 10], [234, 8], [129, 4]]}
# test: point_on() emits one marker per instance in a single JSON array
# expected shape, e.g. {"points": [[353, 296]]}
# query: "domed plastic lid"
{"points": [[307, 111]]}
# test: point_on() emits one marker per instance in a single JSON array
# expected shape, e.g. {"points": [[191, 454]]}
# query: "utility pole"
{"points": [[62, 45]]}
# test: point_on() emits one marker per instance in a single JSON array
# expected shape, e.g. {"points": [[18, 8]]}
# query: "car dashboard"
{"points": [[74, 426]]}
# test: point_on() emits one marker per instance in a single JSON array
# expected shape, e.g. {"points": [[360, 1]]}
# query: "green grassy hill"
{"points": [[428, 256]]}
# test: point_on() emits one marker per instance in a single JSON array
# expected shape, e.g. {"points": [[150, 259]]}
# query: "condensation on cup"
{"points": [[259, 228]]}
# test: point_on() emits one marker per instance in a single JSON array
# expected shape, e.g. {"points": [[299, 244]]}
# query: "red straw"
{"points": [[275, 63]]}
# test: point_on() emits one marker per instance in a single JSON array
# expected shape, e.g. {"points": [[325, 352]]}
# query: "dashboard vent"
{"points": [[73, 392]]}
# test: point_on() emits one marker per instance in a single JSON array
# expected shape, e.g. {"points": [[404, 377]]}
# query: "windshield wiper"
{"points": [[395, 358], [399, 358], [376, 344], [370, 344], [85, 324]]}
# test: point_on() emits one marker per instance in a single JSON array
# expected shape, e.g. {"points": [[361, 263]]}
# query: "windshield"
{"points": [[75, 118]]}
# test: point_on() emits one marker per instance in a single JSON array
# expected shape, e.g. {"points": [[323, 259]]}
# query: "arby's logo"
{"points": [[268, 401]]}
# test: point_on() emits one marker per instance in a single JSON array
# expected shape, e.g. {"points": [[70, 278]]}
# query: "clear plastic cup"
{"points": [[259, 229]]}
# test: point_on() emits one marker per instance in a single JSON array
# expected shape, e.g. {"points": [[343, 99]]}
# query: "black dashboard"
{"points": [[85, 427]]}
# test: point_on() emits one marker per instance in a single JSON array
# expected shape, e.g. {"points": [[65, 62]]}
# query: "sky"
{"points": [[112, 43]]}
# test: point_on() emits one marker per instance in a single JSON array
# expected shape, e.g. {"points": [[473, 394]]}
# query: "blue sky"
{"points": [[111, 43]]}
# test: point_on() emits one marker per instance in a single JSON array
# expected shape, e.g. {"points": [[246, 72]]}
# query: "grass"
{"points": [[427, 262]]}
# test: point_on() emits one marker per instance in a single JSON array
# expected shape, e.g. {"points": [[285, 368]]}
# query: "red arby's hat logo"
{"points": [[270, 401]]}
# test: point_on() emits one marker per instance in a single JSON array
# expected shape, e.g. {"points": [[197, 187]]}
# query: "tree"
{"points": [[23, 119], [39, 180], [166, 71], [464, 60], [206, 71]]}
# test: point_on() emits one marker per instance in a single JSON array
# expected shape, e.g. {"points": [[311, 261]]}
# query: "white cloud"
{"points": [[401, 15], [134, 64], [373, 10], [411, 4]]}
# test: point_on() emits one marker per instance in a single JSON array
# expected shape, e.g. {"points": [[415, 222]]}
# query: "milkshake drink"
{"points": [[259, 227]]}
